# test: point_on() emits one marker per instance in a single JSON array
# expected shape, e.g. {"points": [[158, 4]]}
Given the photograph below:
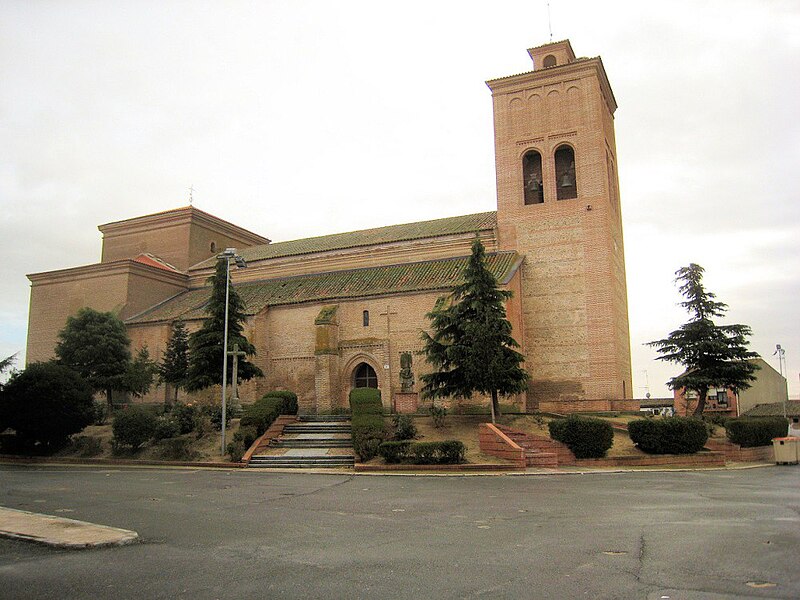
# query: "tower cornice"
{"points": [[553, 75]]}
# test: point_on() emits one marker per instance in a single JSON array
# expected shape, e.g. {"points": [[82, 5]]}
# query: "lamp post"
{"points": [[781, 366], [227, 255]]}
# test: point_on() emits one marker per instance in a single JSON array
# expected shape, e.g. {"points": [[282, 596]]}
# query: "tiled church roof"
{"points": [[337, 285], [368, 237], [774, 409]]}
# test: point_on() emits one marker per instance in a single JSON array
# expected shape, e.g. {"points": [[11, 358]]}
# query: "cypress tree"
{"points": [[471, 347], [712, 355], [205, 344], [174, 367]]}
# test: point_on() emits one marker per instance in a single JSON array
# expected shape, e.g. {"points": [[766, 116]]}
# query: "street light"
{"points": [[227, 255], [782, 365]]}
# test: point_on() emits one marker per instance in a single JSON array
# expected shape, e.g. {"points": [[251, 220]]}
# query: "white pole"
{"points": [[225, 346]]}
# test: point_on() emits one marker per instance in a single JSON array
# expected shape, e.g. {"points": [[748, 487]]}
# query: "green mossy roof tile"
{"points": [[357, 283]]}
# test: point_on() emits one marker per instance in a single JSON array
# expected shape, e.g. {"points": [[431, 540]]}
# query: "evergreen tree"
{"points": [[205, 344], [140, 374], [471, 347], [712, 355], [175, 363], [46, 403], [96, 346]]}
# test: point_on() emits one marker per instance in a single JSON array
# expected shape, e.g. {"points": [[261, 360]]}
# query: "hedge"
{"points": [[262, 413], [133, 427], [368, 427], [668, 435], [289, 400], [587, 437], [755, 431], [449, 452]]}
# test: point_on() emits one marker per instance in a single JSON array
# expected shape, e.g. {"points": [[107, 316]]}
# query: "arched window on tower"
{"points": [[549, 61], [566, 185], [532, 177]]}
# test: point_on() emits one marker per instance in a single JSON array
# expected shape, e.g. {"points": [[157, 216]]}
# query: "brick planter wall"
{"points": [[735, 453]]}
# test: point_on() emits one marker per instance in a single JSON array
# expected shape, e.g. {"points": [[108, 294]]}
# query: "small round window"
{"points": [[549, 61]]}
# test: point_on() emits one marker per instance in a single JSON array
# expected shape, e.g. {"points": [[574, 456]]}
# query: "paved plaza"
{"points": [[238, 534]]}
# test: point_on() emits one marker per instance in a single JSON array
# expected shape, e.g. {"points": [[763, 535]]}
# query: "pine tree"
{"points": [[712, 355], [174, 367], [141, 373], [96, 346], [471, 347], [205, 344]]}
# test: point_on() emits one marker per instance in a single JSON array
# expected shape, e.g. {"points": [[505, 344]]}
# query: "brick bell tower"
{"points": [[558, 205]]}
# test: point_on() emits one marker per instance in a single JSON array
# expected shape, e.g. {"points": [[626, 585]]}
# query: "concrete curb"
{"points": [[508, 472], [60, 532]]}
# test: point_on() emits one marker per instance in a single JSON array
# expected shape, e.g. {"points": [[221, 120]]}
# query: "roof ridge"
{"points": [[367, 237]]}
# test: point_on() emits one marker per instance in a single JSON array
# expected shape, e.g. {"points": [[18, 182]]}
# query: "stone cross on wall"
{"points": [[235, 353]]}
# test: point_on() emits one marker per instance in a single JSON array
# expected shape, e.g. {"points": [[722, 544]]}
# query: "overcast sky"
{"points": [[301, 118]]}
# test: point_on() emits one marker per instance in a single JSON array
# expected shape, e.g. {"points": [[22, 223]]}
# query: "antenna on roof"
{"points": [[549, 24], [191, 194]]}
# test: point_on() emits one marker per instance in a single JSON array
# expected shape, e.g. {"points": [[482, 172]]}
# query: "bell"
{"points": [[567, 181], [533, 185]]}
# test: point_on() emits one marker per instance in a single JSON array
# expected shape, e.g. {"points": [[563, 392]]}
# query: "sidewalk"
{"points": [[60, 532]]}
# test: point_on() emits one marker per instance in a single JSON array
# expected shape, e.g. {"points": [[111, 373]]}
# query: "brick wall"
{"points": [[574, 300]]}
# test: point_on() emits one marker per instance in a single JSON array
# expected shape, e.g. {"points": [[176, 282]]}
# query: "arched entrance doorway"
{"points": [[364, 376]]}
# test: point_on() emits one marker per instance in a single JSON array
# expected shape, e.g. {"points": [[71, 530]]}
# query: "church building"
{"points": [[330, 313]]}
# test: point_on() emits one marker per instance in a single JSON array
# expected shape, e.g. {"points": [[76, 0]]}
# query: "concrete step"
{"points": [[301, 462], [324, 418], [315, 428], [295, 443]]}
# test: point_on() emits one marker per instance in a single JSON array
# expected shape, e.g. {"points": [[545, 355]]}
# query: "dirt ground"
{"points": [[456, 427], [203, 449]]}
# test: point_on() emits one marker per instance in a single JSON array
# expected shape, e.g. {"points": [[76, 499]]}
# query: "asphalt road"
{"points": [[234, 534]]}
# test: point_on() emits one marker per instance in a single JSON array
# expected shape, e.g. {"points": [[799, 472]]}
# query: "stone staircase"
{"points": [[311, 442]]}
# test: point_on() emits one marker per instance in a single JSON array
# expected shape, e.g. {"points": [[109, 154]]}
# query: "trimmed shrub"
{"points": [[186, 416], [368, 427], [749, 432], [587, 437], [133, 427], [45, 404], [669, 435], [261, 414], [394, 452], [236, 450], [246, 435], [365, 401], [404, 428], [289, 400], [178, 448], [166, 427], [449, 452]]}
